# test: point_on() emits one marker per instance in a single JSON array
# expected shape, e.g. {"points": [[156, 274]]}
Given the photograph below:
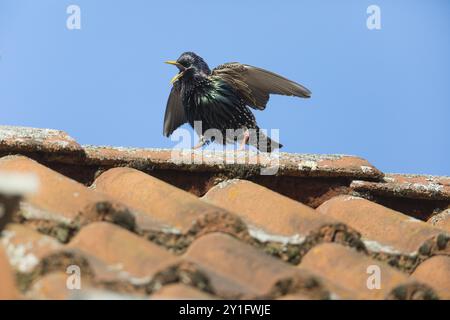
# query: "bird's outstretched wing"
{"points": [[174, 116], [256, 84]]}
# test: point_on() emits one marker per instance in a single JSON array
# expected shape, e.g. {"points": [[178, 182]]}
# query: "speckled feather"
{"points": [[221, 99]]}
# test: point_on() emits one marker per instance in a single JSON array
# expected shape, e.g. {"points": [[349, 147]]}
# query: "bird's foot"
{"points": [[198, 146], [244, 140], [201, 142]]}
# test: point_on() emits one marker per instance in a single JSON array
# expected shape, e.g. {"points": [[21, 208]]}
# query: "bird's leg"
{"points": [[244, 140], [201, 142]]}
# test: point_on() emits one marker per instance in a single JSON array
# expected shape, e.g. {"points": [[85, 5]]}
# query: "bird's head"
{"points": [[189, 64]]}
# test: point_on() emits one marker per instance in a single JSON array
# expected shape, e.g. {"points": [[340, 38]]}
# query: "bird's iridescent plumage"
{"points": [[221, 98]]}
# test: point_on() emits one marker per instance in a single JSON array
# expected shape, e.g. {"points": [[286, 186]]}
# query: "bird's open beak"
{"points": [[177, 76], [175, 63], [180, 67]]}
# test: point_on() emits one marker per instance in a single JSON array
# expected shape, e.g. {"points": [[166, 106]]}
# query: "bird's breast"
{"points": [[217, 106]]}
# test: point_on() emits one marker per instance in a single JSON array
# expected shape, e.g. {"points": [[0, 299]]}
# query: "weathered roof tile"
{"points": [[238, 270], [25, 247], [63, 201], [221, 245], [53, 286], [357, 272], [387, 231], [91, 270], [122, 250], [207, 160], [435, 272], [8, 289], [54, 143], [9, 203], [275, 219], [182, 216], [58, 143], [441, 220], [407, 186]]}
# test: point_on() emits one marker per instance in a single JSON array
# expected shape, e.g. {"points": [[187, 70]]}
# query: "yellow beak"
{"points": [[180, 66], [173, 62], [177, 76]]}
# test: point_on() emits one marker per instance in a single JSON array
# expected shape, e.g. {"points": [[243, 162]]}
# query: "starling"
{"points": [[221, 99]]}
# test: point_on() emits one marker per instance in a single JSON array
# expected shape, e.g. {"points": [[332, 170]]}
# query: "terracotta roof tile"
{"points": [[436, 273], [94, 272], [60, 151], [441, 220], [111, 257], [33, 140], [276, 219], [337, 291], [351, 270], [48, 199], [290, 164], [52, 287], [8, 206], [419, 196], [386, 232], [8, 288], [182, 216], [409, 186], [63, 201], [122, 250], [180, 291], [252, 273], [25, 247], [136, 233]]}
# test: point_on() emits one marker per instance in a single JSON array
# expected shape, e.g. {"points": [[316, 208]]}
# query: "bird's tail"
{"points": [[263, 143]]}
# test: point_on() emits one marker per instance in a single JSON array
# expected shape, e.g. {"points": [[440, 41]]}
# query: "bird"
{"points": [[220, 101]]}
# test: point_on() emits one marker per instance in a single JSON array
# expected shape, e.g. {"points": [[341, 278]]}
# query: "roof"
{"points": [[173, 224]]}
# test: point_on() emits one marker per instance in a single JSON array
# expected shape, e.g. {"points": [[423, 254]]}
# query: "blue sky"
{"points": [[379, 94]]}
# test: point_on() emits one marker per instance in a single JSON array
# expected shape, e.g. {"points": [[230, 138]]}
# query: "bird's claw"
{"points": [[202, 142], [244, 140]]}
